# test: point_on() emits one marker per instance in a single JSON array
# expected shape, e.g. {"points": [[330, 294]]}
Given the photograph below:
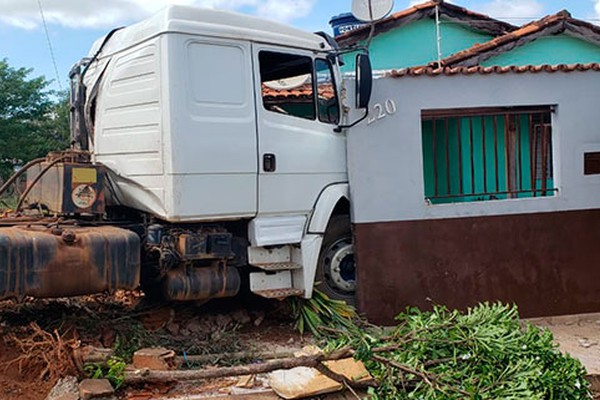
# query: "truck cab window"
{"points": [[287, 84], [327, 101]]}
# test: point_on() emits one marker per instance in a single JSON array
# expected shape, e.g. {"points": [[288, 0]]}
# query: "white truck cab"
{"points": [[208, 119]]}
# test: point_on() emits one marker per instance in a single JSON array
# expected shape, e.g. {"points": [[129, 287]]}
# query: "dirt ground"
{"points": [[126, 323], [15, 384], [579, 336]]}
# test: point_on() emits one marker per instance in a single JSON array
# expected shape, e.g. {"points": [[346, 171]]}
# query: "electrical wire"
{"points": [[50, 45]]}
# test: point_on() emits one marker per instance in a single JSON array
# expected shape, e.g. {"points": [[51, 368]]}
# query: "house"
{"points": [[480, 158], [410, 37], [476, 176], [554, 39], [518, 167], [482, 185]]}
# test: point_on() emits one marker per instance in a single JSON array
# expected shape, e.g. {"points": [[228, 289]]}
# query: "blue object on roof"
{"points": [[343, 23]]}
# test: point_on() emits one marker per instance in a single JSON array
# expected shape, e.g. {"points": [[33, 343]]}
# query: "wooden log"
{"points": [[241, 355], [142, 376]]}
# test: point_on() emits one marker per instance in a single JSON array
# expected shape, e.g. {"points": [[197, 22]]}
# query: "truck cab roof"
{"points": [[215, 23]]}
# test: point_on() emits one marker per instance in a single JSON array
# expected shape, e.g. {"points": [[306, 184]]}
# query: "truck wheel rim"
{"points": [[340, 268]]}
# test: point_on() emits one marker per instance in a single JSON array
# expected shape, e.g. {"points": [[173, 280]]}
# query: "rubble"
{"points": [[89, 389], [157, 358], [92, 355], [302, 382], [65, 389], [248, 362], [96, 389], [70, 334]]}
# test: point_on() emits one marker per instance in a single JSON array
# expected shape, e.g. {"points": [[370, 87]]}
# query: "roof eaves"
{"points": [[478, 21], [419, 11], [583, 30], [550, 24], [462, 70]]}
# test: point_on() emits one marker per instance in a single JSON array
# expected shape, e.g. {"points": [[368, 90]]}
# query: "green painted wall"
{"points": [[415, 44], [559, 49]]}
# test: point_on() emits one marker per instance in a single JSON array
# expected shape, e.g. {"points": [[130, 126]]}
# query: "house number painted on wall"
{"points": [[381, 110]]}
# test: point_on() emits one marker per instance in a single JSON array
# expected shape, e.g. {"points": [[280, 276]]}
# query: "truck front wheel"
{"points": [[336, 271]]}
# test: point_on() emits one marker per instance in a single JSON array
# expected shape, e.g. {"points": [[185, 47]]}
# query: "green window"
{"points": [[487, 154]]}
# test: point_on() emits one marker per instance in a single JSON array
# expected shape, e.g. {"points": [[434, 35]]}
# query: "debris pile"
{"points": [[142, 353], [97, 337], [483, 353]]}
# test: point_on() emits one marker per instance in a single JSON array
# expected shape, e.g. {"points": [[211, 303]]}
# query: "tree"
{"points": [[33, 119]]}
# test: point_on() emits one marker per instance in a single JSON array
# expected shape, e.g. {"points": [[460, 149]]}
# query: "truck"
{"points": [[208, 154]]}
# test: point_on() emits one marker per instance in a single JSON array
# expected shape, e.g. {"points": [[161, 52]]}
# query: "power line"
{"points": [[50, 45]]}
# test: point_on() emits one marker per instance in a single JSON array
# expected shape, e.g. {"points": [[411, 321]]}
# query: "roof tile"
{"points": [[549, 21], [306, 90], [449, 71], [425, 9]]}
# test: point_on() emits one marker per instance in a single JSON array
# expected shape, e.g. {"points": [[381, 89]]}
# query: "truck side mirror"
{"points": [[364, 80]]}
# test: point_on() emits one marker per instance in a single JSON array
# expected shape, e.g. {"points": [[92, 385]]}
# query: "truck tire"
{"points": [[336, 270]]}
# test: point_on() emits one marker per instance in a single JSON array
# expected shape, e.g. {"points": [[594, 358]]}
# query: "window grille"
{"points": [[487, 154]]}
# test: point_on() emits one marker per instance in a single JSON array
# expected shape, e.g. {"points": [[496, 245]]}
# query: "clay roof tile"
{"points": [[530, 29], [480, 22], [481, 70]]}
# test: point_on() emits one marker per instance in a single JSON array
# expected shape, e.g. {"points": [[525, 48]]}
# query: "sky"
{"points": [[73, 25]]}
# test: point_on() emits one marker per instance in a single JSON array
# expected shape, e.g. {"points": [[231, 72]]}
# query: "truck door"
{"points": [[213, 128], [297, 110]]}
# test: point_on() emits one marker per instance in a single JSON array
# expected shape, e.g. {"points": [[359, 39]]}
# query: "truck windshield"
{"points": [[327, 101]]}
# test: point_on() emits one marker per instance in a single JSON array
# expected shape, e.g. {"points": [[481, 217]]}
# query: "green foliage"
{"points": [[33, 119], [483, 353], [8, 202], [113, 370], [321, 315], [131, 340]]}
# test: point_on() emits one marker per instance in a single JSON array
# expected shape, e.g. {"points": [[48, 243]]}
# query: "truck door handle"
{"points": [[269, 162]]}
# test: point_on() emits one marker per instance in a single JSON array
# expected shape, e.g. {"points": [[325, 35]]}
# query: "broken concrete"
{"points": [[95, 389], [156, 358], [65, 389], [93, 355]]}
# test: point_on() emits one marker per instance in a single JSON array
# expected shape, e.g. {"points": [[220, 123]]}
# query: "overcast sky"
{"points": [[74, 24]]}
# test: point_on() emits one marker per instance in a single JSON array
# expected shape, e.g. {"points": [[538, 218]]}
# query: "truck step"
{"points": [[278, 266], [279, 293]]}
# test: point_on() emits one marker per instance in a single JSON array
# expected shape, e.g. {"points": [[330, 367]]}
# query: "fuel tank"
{"points": [[203, 283], [47, 262]]}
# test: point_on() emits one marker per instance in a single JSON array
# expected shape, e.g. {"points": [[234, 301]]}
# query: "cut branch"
{"points": [[242, 355], [322, 368], [260, 368]]}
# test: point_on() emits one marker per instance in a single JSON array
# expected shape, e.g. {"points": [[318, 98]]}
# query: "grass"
{"points": [[8, 202]]}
